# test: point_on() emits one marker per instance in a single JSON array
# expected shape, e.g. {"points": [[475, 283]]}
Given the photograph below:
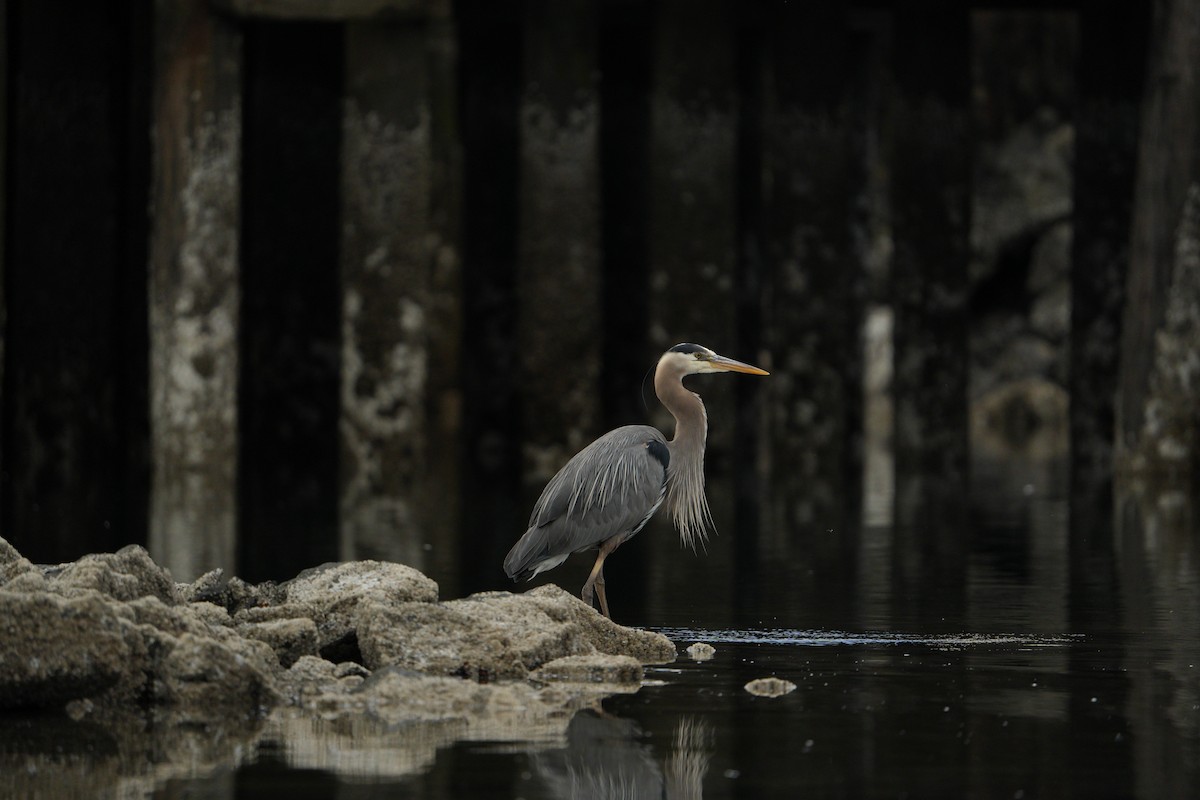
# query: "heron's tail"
{"points": [[531, 555]]}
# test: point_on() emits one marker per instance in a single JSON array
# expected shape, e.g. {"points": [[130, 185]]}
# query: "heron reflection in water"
{"points": [[609, 490], [605, 756]]}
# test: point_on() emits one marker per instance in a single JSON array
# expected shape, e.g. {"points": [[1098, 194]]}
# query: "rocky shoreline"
{"points": [[110, 655]]}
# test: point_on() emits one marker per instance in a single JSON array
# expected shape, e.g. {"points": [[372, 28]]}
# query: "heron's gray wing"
{"points": [[612, 486]]}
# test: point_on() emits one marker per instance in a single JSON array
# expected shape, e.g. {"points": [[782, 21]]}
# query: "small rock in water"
{"points": [[701, 651], [770, 687]]}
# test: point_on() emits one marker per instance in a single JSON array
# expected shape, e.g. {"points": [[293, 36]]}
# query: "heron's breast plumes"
{"points": [[688, 505], [686, 501]]}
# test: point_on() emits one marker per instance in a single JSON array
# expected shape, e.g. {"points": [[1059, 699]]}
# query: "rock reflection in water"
{"points": [[395, 725], [361, 747], [50, 756], [605, 757]]}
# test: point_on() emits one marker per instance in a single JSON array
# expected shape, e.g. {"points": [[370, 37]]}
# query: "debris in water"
{"points": [[701, 651], [770, 687]]}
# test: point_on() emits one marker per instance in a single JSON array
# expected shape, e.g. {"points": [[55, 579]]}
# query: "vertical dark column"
{"points": [[1112, 55], [559, 253], [1112, 40], [193, 286], [445, 321], [626, 60], [490, 47], [6, 70], [693, 210], [815, 162], [930, 193], [751, 425], [71, 451], [693, 241], [133, 332], [288, 399], [1111, 66], [626, 35]]}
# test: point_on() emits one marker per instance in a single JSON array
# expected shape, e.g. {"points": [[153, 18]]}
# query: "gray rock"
{"points": [[12, 563], [54, 649], [309, 677], [289, 638], [348, 668], [600, 631], [335, 592], [127, 574], [240, 596], [497, 635], [211, 681], [447, 639], [174, 620], [281, 611], [211, 614], [31, 581], [110, 633], [207, 588], [231, 593]]}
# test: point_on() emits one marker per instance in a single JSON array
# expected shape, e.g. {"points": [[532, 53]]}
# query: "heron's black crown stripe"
{"points": [[686, 347]]}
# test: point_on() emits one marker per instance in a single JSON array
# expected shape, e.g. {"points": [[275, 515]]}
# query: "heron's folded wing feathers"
{"points": [[609, 487]]}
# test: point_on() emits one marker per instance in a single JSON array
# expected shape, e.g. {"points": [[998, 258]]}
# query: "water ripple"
{"points": [[844, 638]]}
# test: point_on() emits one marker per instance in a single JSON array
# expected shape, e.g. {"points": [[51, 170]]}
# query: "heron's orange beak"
{"points": [[729, 365]]}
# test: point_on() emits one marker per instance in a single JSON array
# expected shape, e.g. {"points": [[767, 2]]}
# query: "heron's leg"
{"points": [[600, 594], [606, 547]]}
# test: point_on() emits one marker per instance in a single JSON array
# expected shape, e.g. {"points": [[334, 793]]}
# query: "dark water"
{"points": [[1018, 679], [1015, 648]]}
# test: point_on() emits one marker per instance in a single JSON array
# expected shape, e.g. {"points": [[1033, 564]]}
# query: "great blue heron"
{"points": [[609, 490]]}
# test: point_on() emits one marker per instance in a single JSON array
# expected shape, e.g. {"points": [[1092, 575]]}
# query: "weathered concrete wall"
{"points": [[1167, 445], [627, 172], [559, 282], [194, 291], [1156, 359], [1021, 212], [386, 276]]}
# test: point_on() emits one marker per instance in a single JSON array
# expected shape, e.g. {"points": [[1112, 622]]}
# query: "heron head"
{"points": [[694, 359]]}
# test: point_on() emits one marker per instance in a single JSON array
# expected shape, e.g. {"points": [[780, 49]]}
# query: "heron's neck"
{"points": [[691, 420], [685, 483]]}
